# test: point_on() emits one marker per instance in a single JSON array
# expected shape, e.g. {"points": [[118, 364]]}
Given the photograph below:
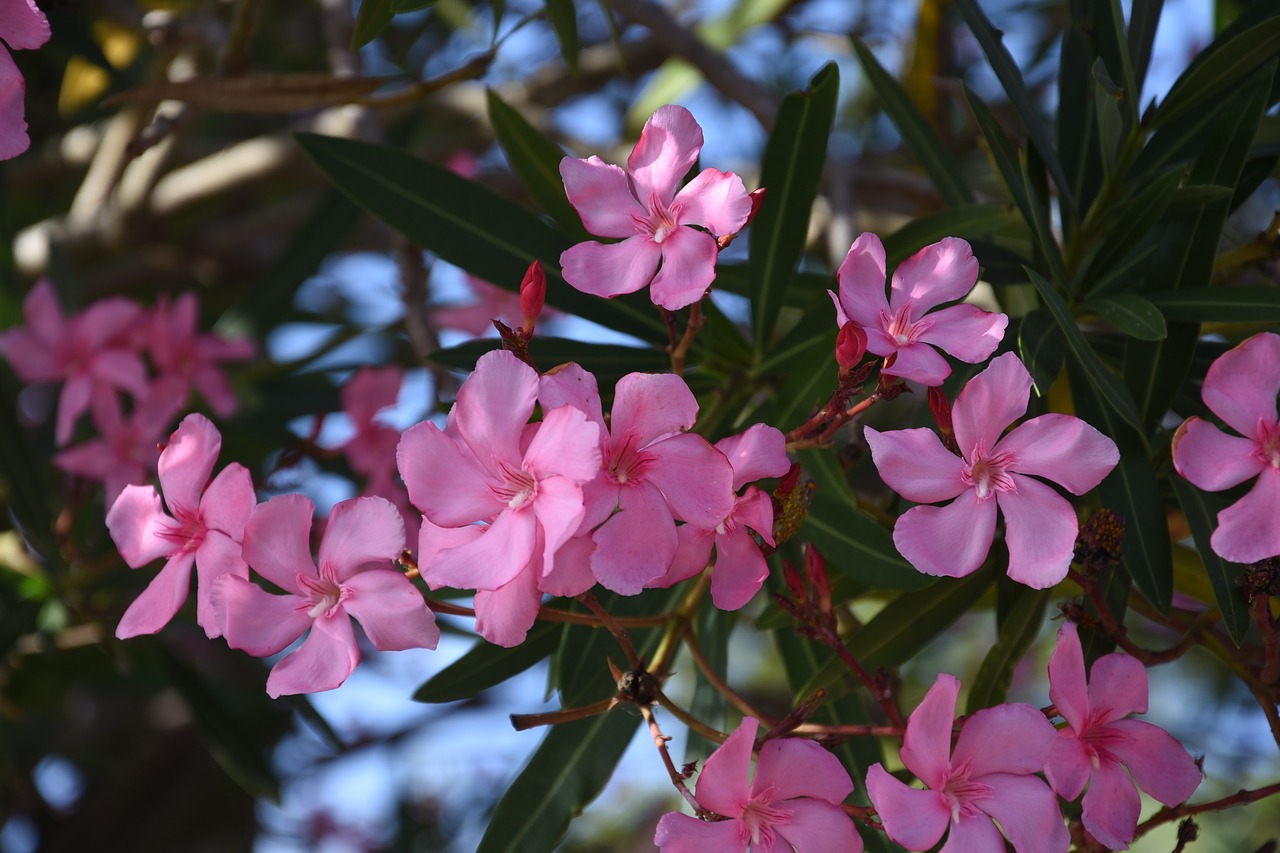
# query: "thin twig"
{"points": [[720, 685], [1172, 813], [677, 778]]}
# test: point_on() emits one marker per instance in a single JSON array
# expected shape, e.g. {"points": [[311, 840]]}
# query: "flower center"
{"points": [[660, 222], [760, 816], [988, 473], [518, 487], [963, 793], [901, 329], [626, 463], [1270, 443], [189, 535], [322, 595]]}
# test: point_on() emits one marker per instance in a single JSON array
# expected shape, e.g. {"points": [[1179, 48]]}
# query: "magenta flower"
{"points": [[371, 450], [177, 349], [204, 529], [901, 328], [87, 350], [353, 577], [1098, 744], [489, 465], [988, 776], [740, 568], [793, 803], [1240, 388], [1040, 526], [642, 207], [653, 473], [22, 27]]}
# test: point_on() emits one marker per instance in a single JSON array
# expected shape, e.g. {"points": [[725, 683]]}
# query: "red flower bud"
{"points": [[533, 292], [757, 198], [851, 345], [941, 408]]}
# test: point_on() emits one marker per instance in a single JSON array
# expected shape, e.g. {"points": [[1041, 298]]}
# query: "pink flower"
{"points": [[1040, 526], [371, 451], [641, 206], [177, 349], [1098, 743], [205, 528], [353, 578], [22, 27], [524, 482], [901, 327], [989, 775], [740, 568], [793, 803], [1240, 388], [87, 350], [653, 473]]}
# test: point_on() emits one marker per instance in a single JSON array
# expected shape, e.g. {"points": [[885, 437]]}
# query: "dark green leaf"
{"points": [[916, 132], [1199, 195], [486, 665], [28, 498], [583, 672], [414, 5], [803, 367], [1223, 70], [371, 20], [468, 225], [1143, 20], [1107, 100], [1018, 629], [536, 160], [563, 18], [792, 170], [968, 221], [1132, 221], [609, 362], [1255, 304], [712, 629], [1202, 516], [1131, 314], [1042, 347]]}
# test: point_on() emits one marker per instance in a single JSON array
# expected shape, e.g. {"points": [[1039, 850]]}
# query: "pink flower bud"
{"points": [[533, 292], [851, 345], [941, 408], [757, 199]]}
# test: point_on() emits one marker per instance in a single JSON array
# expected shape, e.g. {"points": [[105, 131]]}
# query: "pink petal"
{"points": [[217, 556], [92, 460], [795, 767], [1241, 386], [649, 407], [559, 511], [391, 610], [1068, 688], [120, 369], [1028, 813], [942, 272], [1117, 688], [22, 25], [723, 783], [505, 615], [740, 569], [157, 604], [32, 359], [688, 268], [72, 403], [759, 452], [975, 834], [950, 541], [570, 385], [611, 269], [445, 482], [566, 445], [637, 544], [1061, 448], [489, 561], [432, 540], [715, 200], [1159, 764], [13, 119], [917, 362], [43, 314], [360, 531], [914, 464], [570, 572], [187, 461], [601, 194], [694, 477], [277, 540], [991, 401], [861, 280], [926, 744], [1040, 531], [1111, 805], [1068, 766], [1247, 530], [693, 554], [816, 825], [229, 501], [494, 404], [370, 390], [913, 818], [213, 386], [667, 149], [138, 525], [755, 510], [1010, 738], [963, 331], [253, 619], [680, 833], [1209, 458], [322, 662]]}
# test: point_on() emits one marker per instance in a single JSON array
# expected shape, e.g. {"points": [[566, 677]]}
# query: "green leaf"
{"points": [[25, 490], [1253, 304], [568, 771], [1143, 20], [1224, 69], [608, 362], [1131, 222], [1106, 382], [536, 160], [371, 20], [1018, 629], [1107, 99], [1202, 511], [468, 225], [792, 170], [849, 538], [1131, 314], [487, 665], [916, 131], [990, 39], [802, 366], [563, 18], [582, 675], [713, 627], [969, 221], [1042, 347]]}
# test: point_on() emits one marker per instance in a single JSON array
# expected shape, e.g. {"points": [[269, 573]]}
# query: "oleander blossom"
{"points": [[993, 471], [904, 328], [641, 206], [792, 803], [22, 27], [179, 350], [988, 778], [1240, 387], [1098, 747], [352, 577]]}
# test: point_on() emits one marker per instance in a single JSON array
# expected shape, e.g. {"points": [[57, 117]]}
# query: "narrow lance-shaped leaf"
{"points": [[371, 20], [1201, 511], [968, 221], [563, 18], [1131, 314], [1019, 625], [1249, 304], [1224, 69], [487, 665], [708, 704], [1042, 348]]}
